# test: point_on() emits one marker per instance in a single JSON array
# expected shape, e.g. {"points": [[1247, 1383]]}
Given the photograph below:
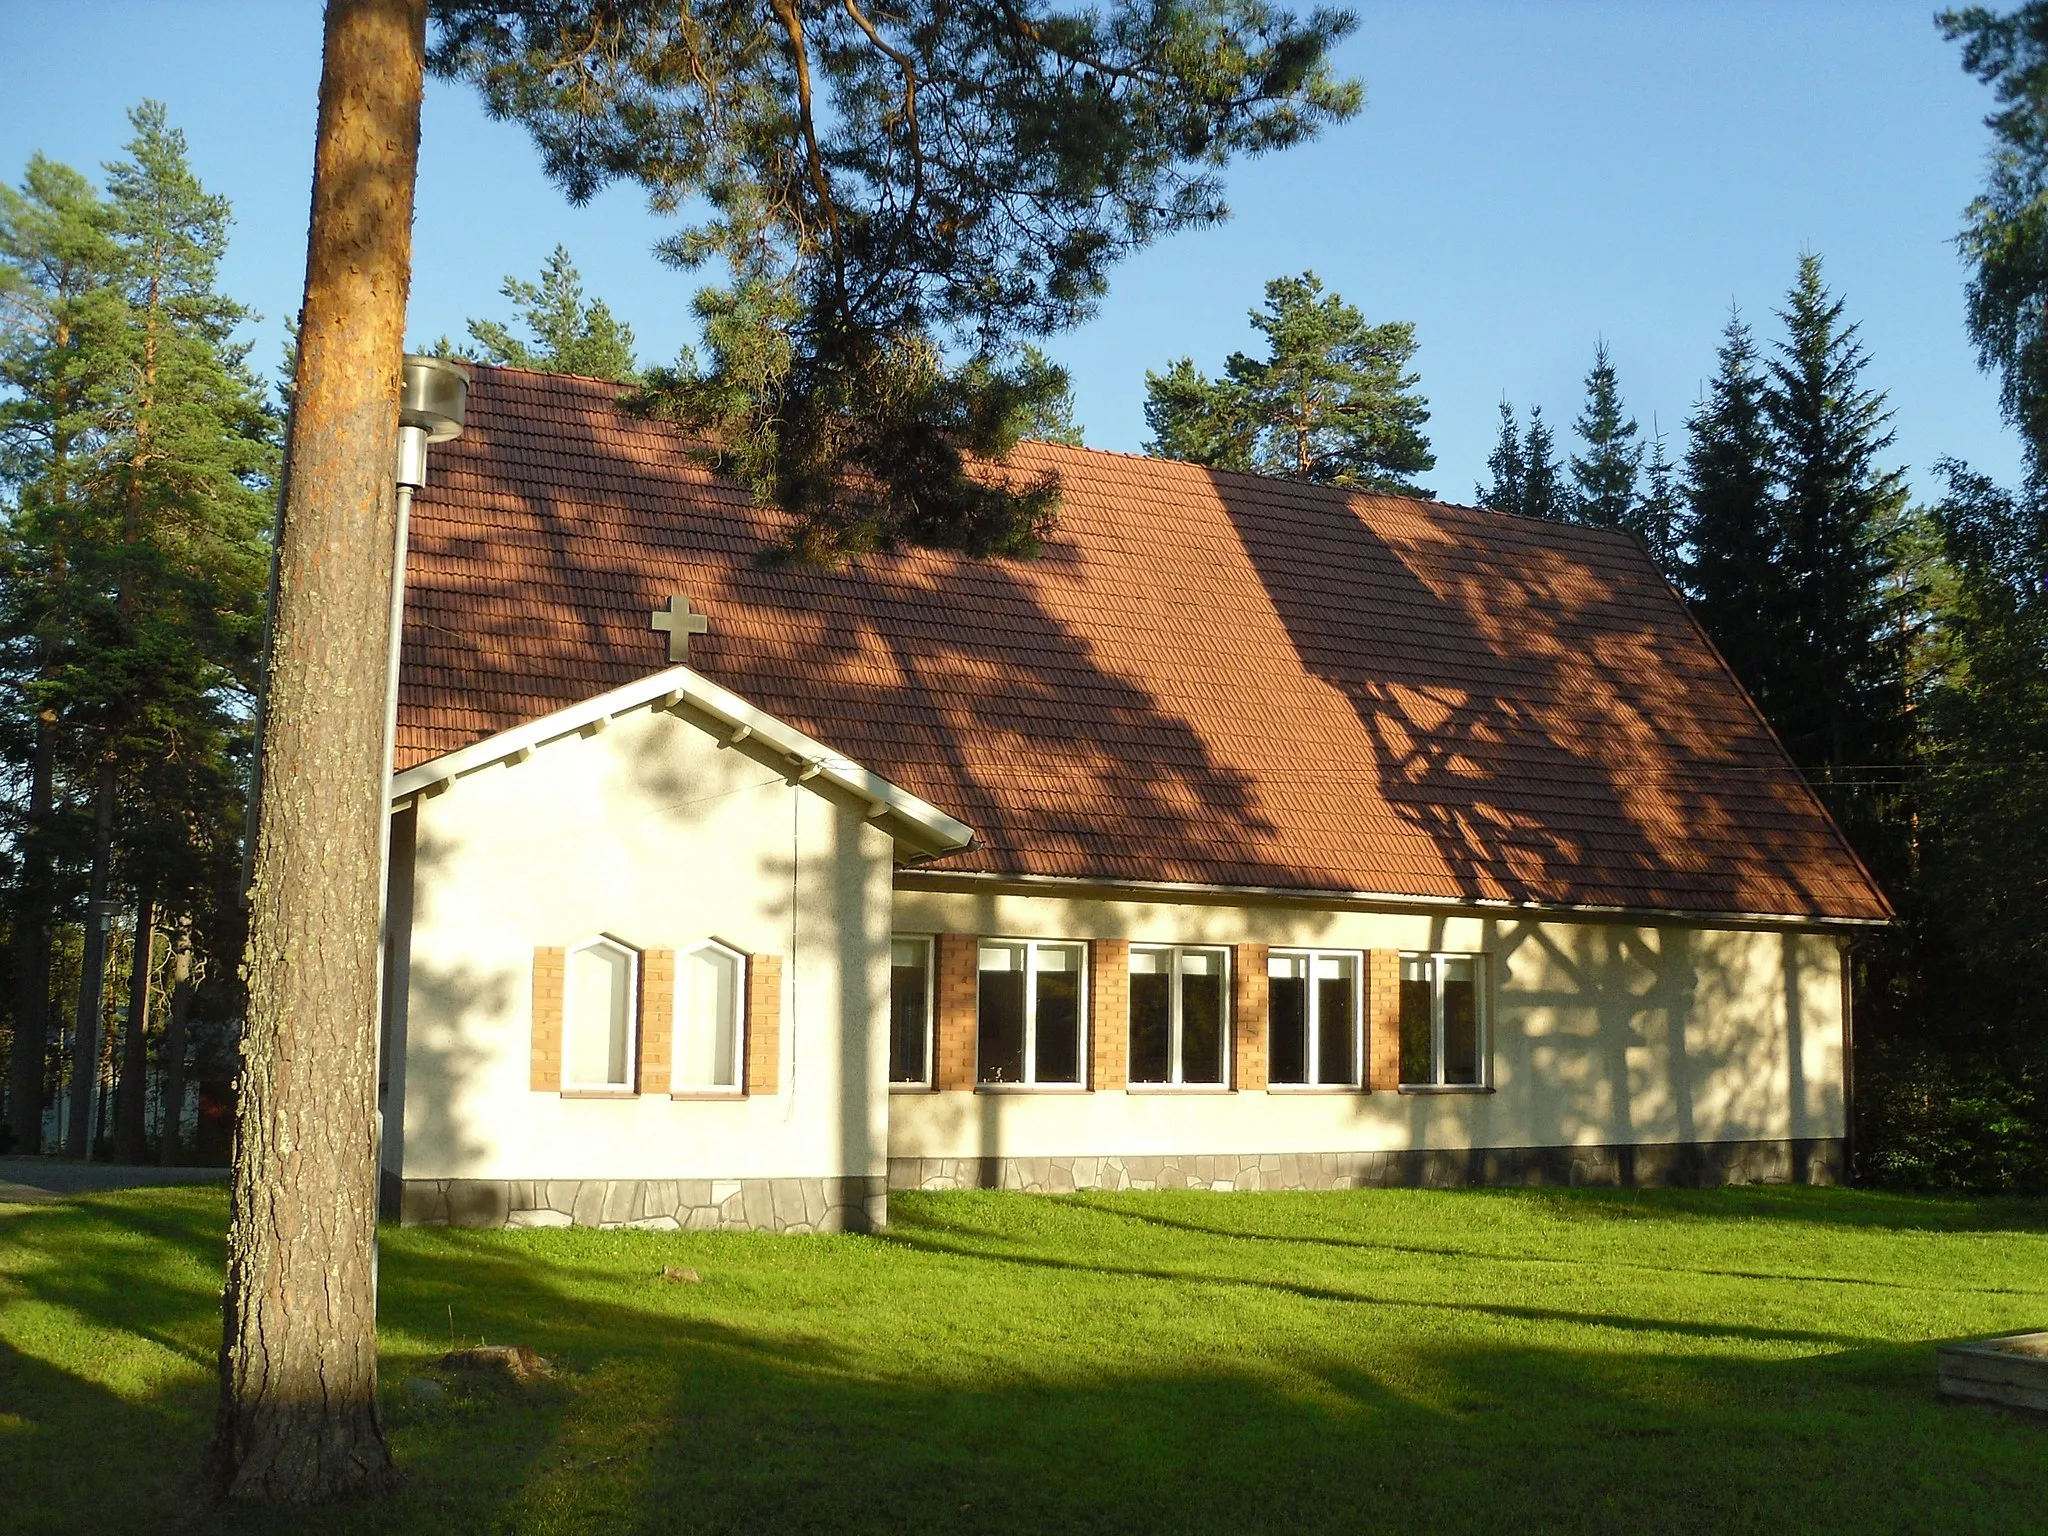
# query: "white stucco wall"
{"points": [[1602, 1033], [653, 833]]}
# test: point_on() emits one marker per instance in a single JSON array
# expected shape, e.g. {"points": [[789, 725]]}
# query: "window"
{"points": [[601, 981], [711, 991], [1442, 1033], [910, 1011], [1030, 1013], [1177, 1015], [1313, 1015]]}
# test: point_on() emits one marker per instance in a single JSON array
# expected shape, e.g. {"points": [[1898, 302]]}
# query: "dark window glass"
{"points": [[1000, 1044], [1201, 1021], [1334, 1030], [908, 1025], [1287, 1018], [1461, 1023], [1152, 1022], [1417, 1027], [1059, 1026]]}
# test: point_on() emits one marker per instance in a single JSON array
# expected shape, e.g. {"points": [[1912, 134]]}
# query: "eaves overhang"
{"points": [[998, 882], [927, 830]]}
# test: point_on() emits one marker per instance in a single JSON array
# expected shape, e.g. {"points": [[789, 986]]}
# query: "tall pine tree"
{"points": [[62, 324], [1657, 517], [1504, 493], [1543, 489], [569, 334], [1333, 401], [1604, 479], [1842, 703], [140, 450], [1732, 573]]}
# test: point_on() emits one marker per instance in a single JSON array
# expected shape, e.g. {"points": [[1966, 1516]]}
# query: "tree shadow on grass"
{"points": [[849, 1384], [1876, 1210], [1120, 1209]]}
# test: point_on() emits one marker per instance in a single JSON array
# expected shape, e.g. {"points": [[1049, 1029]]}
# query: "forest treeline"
{"points": [[1900, 651]]}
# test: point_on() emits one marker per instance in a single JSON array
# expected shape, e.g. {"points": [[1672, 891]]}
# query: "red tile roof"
{"points": [[1208, 677]]}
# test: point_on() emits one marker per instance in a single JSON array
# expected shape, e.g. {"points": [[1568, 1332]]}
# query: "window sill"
{"points": [[600, 1093], [1000, 1088], [1430, 1088], [712, 1095], [913, 1088], [1177, 1089], [1326, 1089]]}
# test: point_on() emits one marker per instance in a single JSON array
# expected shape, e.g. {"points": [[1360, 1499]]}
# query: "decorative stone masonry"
{"points": [[1709, 1163], [658, 1205]]}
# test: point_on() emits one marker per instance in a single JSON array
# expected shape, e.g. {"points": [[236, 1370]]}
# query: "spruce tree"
{"points": [[1843, 701], [1657, 516], [1733, 572], [1331, 402], [1543, 489], [1506, 492], [569, 334], [1603, 491]]}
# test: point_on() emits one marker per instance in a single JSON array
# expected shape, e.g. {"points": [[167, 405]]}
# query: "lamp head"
{"points": [[432, 401]]}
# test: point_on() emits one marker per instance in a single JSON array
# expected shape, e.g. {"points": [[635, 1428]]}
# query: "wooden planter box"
{"points": [[2011, 1372]]}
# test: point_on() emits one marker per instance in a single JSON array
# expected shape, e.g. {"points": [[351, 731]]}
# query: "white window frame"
{"points": [[931, 960], [679, 1021], [1176, 1065], [630, 1086], [1315, 1026], [1482, 1008], [1029, 1081]]}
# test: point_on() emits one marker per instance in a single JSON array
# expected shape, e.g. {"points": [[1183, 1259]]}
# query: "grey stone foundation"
{"points": [[1692, 1165], [655, 1205]]}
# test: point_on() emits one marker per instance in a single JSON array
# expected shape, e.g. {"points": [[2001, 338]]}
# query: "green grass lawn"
{"points": [[1754, 1359]]}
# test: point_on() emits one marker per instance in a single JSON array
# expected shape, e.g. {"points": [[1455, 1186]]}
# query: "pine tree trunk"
{"points": [[298, 1415], [31, 1059], [92, 975], [131, 1129], [171, 1054]]}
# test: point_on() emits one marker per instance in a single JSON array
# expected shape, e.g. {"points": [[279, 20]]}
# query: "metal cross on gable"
{"points": [[680, 623]]}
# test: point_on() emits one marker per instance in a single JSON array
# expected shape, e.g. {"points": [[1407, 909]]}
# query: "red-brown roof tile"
{"points": [[1208, 677]]}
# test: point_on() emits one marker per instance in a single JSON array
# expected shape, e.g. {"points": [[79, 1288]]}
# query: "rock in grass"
{"points": [[421, 1390], [517, 1361], [681, 1272]]}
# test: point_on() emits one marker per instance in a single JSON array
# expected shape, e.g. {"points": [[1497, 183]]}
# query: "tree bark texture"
{"points": [[92, 974], [171, 1054], [298, 1416], [29, 1065], [131, 1128]]}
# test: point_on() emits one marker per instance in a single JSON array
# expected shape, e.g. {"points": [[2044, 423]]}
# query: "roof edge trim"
{"points": [[925, 826], [926, 878]]}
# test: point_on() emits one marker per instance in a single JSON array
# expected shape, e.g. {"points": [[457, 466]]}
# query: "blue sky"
{"points": [[1525, 179]]}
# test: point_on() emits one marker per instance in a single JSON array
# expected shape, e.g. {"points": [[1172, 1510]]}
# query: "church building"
{"points": [[1257, 835]]}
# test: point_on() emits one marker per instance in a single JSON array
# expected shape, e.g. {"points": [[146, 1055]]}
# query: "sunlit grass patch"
{"points": [[1415, 1360]]}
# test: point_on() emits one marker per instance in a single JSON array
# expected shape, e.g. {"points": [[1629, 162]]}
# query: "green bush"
{"points": [[1928, 1119]]}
